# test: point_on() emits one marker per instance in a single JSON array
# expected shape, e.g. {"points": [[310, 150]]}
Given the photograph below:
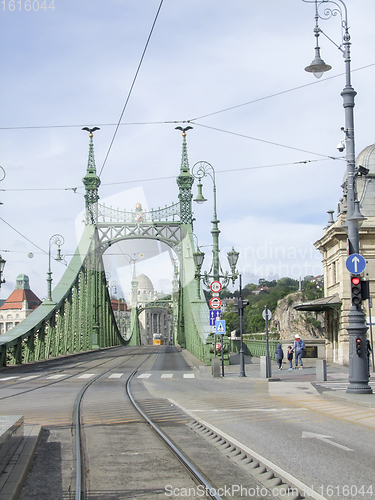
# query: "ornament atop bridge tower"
{"points": [[185, 181], [91, 182]]}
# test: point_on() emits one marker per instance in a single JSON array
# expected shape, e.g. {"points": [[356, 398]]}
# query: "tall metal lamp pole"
{"points": [[58, 240], [358, 373]]}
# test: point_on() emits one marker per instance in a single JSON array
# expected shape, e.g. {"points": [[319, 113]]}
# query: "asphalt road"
{"points": [[323, 451]]}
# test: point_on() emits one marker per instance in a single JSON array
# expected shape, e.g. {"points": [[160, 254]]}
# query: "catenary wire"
{"points": [[261, 140], [131, 87], [153, 179], [166, 122]]}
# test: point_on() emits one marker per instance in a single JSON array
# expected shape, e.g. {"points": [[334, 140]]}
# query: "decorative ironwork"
{"points": [[168, 213], [91, 182]]}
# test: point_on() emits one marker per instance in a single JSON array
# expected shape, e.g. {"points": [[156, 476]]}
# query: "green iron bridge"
{"points": [[78, 316]]}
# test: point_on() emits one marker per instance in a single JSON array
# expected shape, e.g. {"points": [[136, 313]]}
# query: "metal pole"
{"points": [[371, 340], [222, 354], [268, 364], [242, 360], [358, 372]]}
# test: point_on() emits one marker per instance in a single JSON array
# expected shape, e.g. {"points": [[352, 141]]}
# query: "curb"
{"points": [[14, 475]]}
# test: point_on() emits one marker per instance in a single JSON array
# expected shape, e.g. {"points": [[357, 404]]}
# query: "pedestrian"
{"points": [[279, 356], [298, 349], [368, 350], [290, 357]]}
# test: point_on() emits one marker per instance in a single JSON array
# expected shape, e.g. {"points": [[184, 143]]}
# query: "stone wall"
{"points": [[288, 322]]}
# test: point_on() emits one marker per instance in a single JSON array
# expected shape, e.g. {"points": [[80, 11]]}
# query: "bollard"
{"points": [[215, 365], [321, 370], [265, 367]]}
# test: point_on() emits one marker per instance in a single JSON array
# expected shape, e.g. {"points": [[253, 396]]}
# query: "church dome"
{"points": [[22, 282], [144, 282], [145, 289], [365, 184]]}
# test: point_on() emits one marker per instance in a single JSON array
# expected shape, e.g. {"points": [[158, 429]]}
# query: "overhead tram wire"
{"points": [[131, 87], [274, 95], [168, 122], [153, 179], [262, 140]]}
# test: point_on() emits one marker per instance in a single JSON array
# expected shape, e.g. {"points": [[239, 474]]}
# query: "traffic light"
{"points": [[360, 289], [355, 289], [241, 303], [358, 345]]}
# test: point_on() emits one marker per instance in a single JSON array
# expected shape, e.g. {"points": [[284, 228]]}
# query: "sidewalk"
{"points": [[333, 388]]}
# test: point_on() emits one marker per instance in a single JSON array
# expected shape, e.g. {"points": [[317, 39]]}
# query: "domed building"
{"points": [[20, 303], [334, 250], [153, 318]]}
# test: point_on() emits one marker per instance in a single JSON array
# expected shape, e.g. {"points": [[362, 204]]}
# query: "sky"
{"points": [[234, 71]]}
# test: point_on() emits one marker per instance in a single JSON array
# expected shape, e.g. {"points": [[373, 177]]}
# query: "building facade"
{"points": [[153, 317], [20, 303], [334, 249]]}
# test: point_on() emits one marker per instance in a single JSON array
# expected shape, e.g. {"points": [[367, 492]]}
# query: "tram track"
{"points": [[121, 442], [82, 490]]}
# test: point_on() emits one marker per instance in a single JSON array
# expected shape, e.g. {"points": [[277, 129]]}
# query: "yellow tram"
{"points": [[156, 339]]}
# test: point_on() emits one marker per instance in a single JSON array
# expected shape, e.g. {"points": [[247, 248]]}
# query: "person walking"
{"points": [[298, 349], [290, 357], [279, 356]]}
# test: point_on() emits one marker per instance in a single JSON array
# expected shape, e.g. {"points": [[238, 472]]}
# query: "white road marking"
{"points": [[8, 378], [55, 377], [29, 377], [325, 439], [189, 375], [166, 375], [116, 375], [144, 375], [87, 375]]}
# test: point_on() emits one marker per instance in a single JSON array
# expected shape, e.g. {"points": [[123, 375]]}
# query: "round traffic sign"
{"points": [[215, 303], [216, 286], [218, 346], [355, 263], [267, 314]]}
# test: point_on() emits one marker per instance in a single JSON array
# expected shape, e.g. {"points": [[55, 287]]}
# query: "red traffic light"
{"points": [[356, 280]]}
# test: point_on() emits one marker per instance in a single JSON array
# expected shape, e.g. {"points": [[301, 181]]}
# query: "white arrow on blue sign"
{"points": [[216, 313], [355, 263]]}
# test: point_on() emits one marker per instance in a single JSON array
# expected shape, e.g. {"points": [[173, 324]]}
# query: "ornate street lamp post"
{"points": [[58, 240], [200, 170], [325, 9], [2, 265]]}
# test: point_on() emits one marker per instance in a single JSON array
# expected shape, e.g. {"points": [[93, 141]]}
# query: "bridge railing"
{"points": [[109, 214], [79, 318], [255, 348]]}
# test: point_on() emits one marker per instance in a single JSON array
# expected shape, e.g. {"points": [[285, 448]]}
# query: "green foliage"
{"points": [[313, 291], [271, 293]]}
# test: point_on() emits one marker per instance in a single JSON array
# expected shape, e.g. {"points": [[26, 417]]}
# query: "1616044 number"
{"points": [[28, 5]]}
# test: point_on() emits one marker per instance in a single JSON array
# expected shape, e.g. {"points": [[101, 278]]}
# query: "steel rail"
{"points": [[209, 489], [77, 425]]}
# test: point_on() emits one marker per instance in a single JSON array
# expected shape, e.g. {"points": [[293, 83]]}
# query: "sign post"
{"points": [[220, 329], [267, 315]]}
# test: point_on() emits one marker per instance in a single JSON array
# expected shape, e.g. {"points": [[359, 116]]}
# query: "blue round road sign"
{"points": [[355, 263]]}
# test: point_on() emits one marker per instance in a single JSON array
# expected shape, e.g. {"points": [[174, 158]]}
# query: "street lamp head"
{"points": [[198, 257], [233, 258], [200, 198], [58, 257], [2, 265], [318, 66]]}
